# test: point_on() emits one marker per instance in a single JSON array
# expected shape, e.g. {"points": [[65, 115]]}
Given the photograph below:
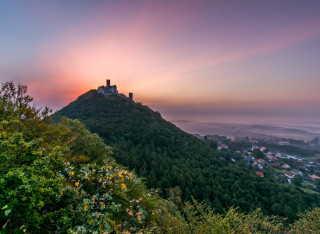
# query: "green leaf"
{"points": [[7, 212], [5, 207]]}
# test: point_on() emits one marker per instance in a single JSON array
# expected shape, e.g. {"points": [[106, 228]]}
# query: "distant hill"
{"points": [[168, 157]]}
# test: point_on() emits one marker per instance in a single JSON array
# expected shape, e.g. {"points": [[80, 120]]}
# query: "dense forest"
{"points": [[61, 178], [168, 157]]}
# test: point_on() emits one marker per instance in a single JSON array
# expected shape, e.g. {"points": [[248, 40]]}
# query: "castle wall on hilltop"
{"points": [[108, 89], [112, 89]]}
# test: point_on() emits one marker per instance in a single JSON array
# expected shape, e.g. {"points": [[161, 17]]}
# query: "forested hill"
{"points": [[167, 157], [142, 139]]}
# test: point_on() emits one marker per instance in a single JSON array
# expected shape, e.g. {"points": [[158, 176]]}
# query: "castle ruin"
{"points": [[112, 90]]}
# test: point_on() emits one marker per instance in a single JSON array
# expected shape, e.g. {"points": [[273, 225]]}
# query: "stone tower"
{"points": [[108, 83], [131, 96]]}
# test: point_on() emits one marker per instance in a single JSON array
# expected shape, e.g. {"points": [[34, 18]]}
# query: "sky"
{"points": [[206, 61]]}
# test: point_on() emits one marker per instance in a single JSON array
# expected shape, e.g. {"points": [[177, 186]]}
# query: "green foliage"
{"points": [[194, 217], [257, 153], [15, 103], [297, 180], [41, 190], [169, 157], [61, 178], [86, 143], [307, 223]]}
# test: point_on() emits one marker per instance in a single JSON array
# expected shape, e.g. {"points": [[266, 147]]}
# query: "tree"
{"points": [[257, 153], [297, 180], [308, 222], [15, 103]]}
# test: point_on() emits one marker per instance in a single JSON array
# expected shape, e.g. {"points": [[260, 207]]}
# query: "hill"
{"points": [[168, 157], [60, 178]]}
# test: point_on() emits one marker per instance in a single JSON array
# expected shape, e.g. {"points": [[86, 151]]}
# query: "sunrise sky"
{"points": [[191, 60]]}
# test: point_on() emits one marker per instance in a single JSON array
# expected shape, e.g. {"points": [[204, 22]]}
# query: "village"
{"points": [[300, 170]]}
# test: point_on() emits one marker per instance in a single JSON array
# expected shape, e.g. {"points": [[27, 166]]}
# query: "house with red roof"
{"points": [[289, 174], [223, 146], [273, 164], [259, 173], [261, 160], [286, 166], [314, 177], [271, 157], [262, 148]]}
